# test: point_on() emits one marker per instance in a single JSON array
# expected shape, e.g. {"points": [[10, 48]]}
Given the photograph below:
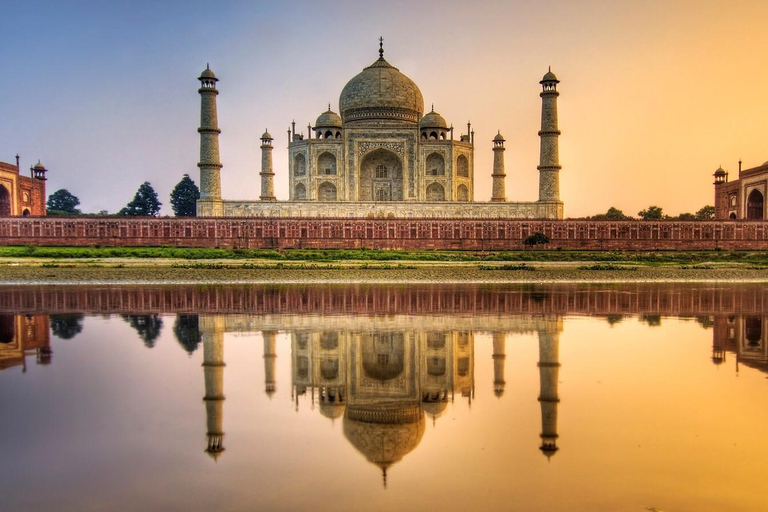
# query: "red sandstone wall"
{"points": [[491, 234]]}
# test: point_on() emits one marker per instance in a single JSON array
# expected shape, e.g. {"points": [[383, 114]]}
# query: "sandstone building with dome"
{"points": [[380, 156], [742, 198], [22, 195]]}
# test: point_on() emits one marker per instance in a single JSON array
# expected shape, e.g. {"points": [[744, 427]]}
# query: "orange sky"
{"points": [[654, 95]]}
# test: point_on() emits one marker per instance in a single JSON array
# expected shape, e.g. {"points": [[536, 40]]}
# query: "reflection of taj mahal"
{"points": [[380, 156], [382, 380]]}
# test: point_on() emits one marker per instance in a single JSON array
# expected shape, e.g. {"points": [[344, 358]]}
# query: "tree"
{"points": [[62, 202], [706, 213], [145, 202], [187, 332], [147, 326], [686, 216], [66, 326], [184, 197], [611, 214], [652, 213], [536, 239]]}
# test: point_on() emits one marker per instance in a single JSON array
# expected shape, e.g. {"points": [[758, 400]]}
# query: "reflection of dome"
{"points": [[381, 91], [332, 410], [384, 433], [717, 359], [434, 409]]}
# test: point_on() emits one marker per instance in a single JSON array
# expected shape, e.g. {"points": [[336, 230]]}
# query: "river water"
{"points": [[438, 397]]}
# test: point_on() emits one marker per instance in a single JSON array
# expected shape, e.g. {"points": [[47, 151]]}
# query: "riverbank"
{"points": [[51, 271]]}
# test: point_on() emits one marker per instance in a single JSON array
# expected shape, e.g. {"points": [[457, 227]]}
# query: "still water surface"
{"points": [[623, 397]]}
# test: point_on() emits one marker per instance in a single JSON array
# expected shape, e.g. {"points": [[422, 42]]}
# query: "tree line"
{"points": [[656, 213], [145, 202]]}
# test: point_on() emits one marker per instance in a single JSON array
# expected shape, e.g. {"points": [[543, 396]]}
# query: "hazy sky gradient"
{"points": [[654, 95]]}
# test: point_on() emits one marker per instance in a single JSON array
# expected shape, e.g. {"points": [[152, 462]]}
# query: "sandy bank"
{"points": [[132, 271]]}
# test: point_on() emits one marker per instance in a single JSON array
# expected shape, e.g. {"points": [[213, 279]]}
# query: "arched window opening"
{"points": [[433, 135], [381, 177], [462, 193], [338, 135], [732, 216], [462, 167], [435, 192], [300, 192], [299, 165], [5, 202], [435, 165], [755, 205], [329, 134], [326, 192], [442, 135], [326, 164], [423, 135], [382, 172], [26, 212]]}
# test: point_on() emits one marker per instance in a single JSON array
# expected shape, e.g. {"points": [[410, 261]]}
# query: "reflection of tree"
{"points": [[187, 332], [706, 322], [148, 327], [66, 326], [614, 319], [651, 320]]}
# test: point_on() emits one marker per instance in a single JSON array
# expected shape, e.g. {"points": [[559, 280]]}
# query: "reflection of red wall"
{"points": [[489, 234], [27, 332], [637, 298]]}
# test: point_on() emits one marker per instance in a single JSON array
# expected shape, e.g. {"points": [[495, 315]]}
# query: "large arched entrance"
{"points": [[381, 177], [755, 205], [5, 202]]}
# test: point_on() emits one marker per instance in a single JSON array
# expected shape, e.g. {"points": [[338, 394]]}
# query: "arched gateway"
{"points": [[755, 205], [381, 177]]}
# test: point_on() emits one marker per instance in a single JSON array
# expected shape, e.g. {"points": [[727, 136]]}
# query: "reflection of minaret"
{"points": [[499, 355], [548, 373], [269, 362], [213, 369]]}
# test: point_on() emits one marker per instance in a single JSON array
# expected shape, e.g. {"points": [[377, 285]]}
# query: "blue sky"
{"points": [[654, 95]]}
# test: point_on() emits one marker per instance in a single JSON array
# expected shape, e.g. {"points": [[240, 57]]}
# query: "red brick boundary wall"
{"points": [[487, 234]]}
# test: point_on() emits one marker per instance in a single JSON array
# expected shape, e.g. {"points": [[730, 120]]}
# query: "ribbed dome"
{"points": [[207, 73], [381, 91], [433, 120], [328, 119], [549, 77]]}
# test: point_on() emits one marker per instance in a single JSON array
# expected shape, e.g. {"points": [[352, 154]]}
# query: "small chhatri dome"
{"points": [[433, 120], [328, 119], [499, 137], [549, 77], [266, 135], [207, 73], [721, 172], [381, 91], [39, 167]]}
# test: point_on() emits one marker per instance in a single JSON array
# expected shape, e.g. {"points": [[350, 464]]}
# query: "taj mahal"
{"points": [[380, 157]]}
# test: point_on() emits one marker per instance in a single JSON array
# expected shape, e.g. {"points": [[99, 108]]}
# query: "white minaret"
{"points": [[209, 204], [549, 159], [213, 371], [549, 366], [267, 175], [499, 192]]}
